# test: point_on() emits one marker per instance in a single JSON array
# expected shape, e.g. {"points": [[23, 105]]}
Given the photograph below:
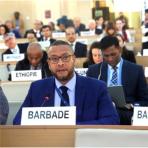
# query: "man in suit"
{"points": [[35, 58], [4, 108], [129, 75], [13, 47], [36, 29], [89, 110], [80, 50]]}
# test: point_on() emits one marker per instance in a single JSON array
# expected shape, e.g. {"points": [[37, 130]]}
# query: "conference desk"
{"points": [[50, 136]]}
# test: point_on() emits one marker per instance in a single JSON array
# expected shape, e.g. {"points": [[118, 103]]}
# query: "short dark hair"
{"points": [[146, 10], [59, 42], [46, 26], [109, 41]]}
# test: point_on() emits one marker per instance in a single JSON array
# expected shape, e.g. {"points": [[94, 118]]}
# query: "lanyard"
{"points": [[62, 98]]}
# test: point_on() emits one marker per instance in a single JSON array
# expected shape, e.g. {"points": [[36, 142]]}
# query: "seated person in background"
{"points": [[99, 24], [46, 32], [35, 59], [94, 55], [3, 31], [31, 36], [4, 108], [116, 71], [89, 110], [126, 54], [13, 47], [80, 50], [119, 24], [36, 29], [78, 25], [10, 25], [110, 29]]}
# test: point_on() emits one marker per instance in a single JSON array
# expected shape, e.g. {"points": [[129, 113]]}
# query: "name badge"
{"points": [[26, 75], [86, 33], [49, 116], [58, 34], [140, 117], [81, 71], [13, 57]]}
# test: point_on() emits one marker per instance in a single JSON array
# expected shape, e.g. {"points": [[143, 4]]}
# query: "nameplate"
{"points": [[44, 44], [26, 75], [145, 52], [83, 41], [13, 57], [140, 117], [144, 39], [58, 34], [81, 71], [87, 33], [49, 116]]}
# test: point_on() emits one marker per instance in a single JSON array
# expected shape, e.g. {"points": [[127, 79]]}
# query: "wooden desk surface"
{"points": [[53, 136]]}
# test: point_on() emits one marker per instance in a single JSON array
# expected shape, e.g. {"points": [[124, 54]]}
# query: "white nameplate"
{"points": [[81, 71], [49, 116], [144, 39], [13, 57], [44, 44], [145, 52], [87, 33], [83, 41], [58, 34], [26, 75], [140, 117]]}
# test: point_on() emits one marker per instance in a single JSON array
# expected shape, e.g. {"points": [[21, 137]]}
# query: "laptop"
{"points": [[117, 95]]}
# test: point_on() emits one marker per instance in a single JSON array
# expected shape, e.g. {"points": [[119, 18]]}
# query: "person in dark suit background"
{"points": [[35, 58], [89, 110], [129, 75], [4, 108], [126, 54], [36, 29], [78, 25], [46, 32], [80, 50], [13, 47]]}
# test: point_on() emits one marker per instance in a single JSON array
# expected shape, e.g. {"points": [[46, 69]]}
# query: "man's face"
{"points": [[34, 57], [112, 55], [10, 42], [46, 32], [37, 25], [61, 62], [70, 35]]}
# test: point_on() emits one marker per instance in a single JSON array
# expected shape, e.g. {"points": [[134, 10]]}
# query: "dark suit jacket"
{"points": [[80, 28], [51, 40], [25, 65], [22, 48], [128, 55], [133, 80], [93, 105], [4, 107], [80, 50]]}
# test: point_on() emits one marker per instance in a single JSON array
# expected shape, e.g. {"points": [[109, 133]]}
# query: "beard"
{"points": [[64, 76]]}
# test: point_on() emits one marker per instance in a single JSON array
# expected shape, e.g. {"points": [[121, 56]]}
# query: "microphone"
{"points": [[8, 68], [46, 98]]}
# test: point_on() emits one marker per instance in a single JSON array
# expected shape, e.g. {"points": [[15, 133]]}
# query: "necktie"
{"points": [[114, 79], [65, 100]]}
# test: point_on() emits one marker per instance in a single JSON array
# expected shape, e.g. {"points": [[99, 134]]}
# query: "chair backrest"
{"points": [[111, 138]]}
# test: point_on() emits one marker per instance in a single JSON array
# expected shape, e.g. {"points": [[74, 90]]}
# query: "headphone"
{"points": [[100, 71]]}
